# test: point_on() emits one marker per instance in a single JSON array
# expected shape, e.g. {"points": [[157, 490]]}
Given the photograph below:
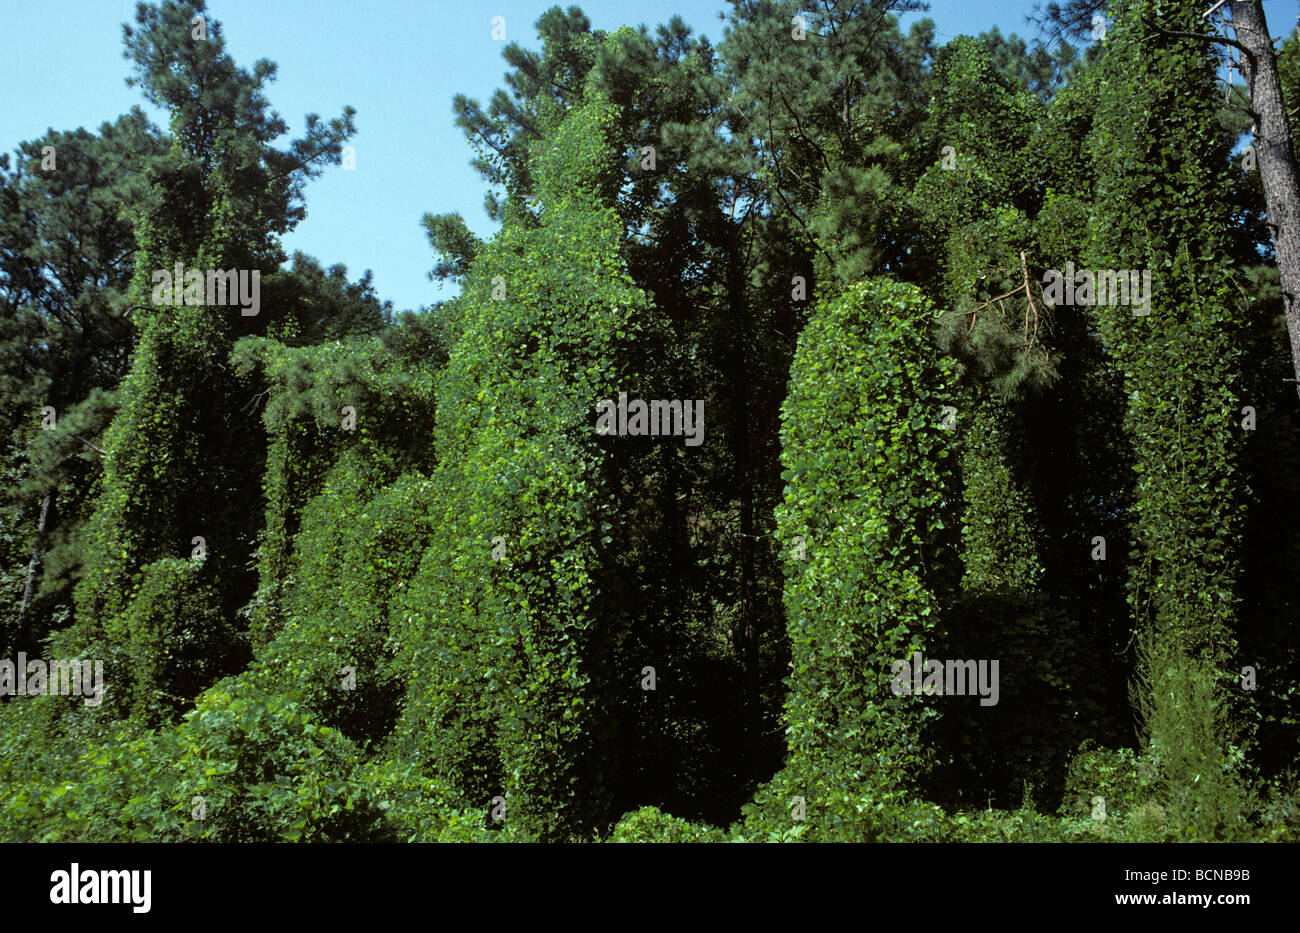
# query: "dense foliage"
{"points": [[356, 575]]}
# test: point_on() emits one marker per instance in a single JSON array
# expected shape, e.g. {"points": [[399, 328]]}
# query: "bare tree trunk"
{"points": [[1275, 158], [35, 562]]}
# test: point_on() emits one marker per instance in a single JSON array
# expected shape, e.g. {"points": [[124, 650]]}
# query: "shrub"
{"points": [[649, 824]]}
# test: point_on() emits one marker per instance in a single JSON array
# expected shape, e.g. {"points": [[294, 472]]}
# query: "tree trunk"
{"points": [[1275, 158], [35, 562], [743, 450]]}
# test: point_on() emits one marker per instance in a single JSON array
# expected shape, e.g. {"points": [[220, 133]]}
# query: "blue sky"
{"points": [[399, 63]]}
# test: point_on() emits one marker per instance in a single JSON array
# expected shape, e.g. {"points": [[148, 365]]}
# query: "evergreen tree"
{"points": [[65, 264], [1163, 207], [181, 447], [514, 616]]}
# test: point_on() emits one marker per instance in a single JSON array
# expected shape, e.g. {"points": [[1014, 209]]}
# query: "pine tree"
{"points": [[182, 445]]}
